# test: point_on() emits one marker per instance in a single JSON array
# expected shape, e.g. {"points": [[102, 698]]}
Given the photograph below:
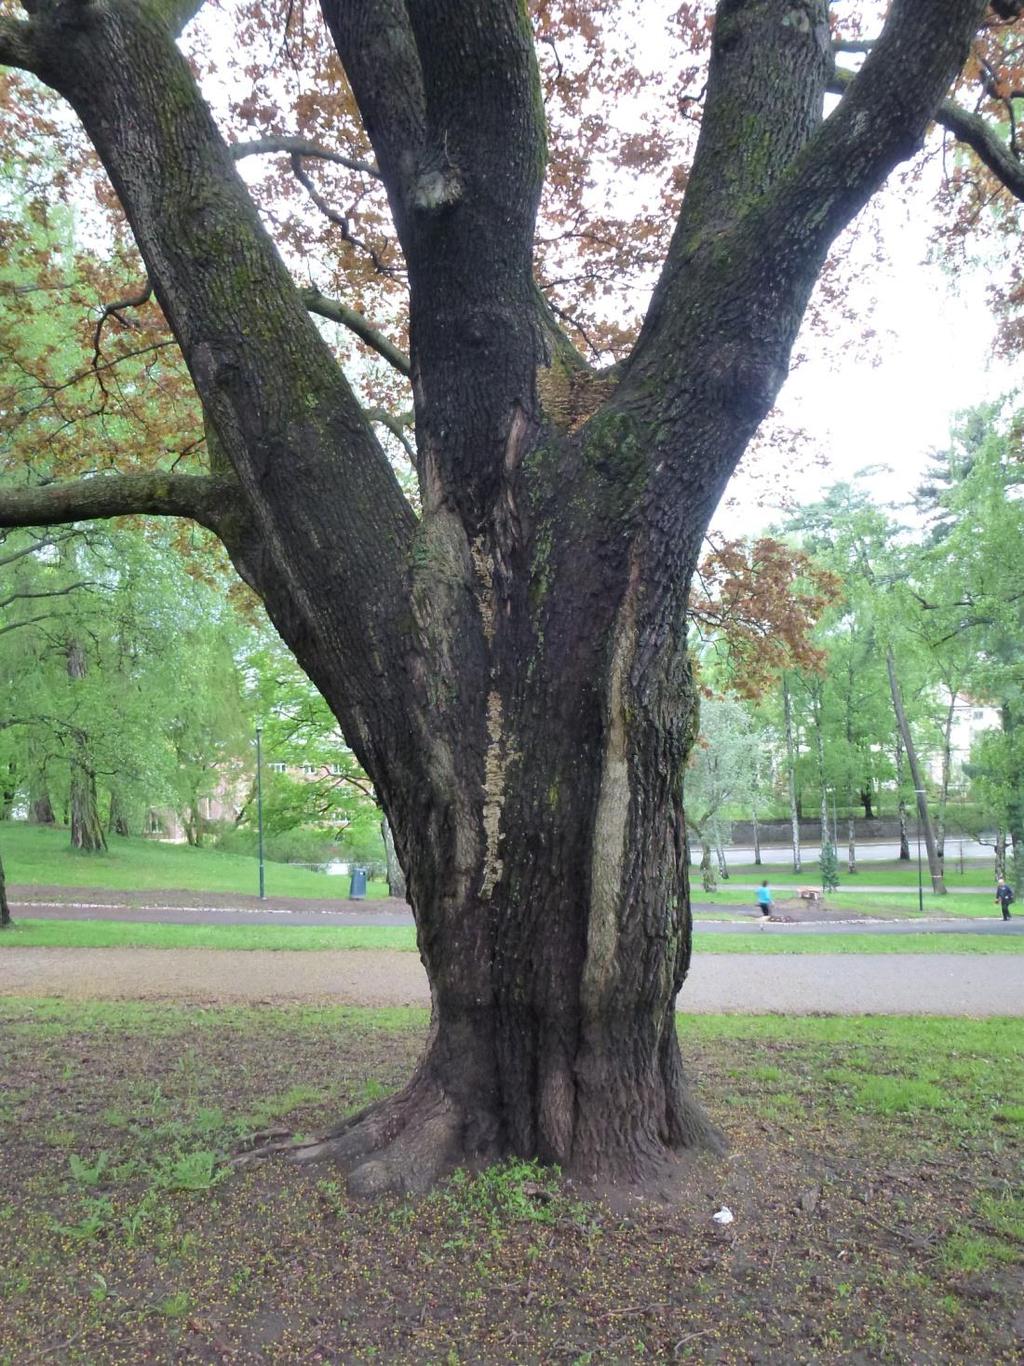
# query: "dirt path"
{"points": [[865, 984]]}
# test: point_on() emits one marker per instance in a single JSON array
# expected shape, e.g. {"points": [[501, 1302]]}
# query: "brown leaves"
{"points": [[760, 601]]}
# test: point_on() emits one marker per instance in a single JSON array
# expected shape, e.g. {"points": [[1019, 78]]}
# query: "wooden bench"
{"points": [[810, 893]]}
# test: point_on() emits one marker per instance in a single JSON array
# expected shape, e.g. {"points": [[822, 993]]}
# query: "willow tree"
{"points": [[508, 659]]}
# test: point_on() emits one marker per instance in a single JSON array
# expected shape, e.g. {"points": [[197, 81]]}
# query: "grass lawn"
{"points": [[35, 855], [883, 873], [901, 904], [92, 934], [874, 1176]]}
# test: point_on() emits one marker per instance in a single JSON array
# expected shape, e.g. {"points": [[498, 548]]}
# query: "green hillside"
{"points": [[35, 855]]}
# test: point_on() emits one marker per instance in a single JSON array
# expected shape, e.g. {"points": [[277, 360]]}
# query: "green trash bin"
{"points": [[357, 885]]}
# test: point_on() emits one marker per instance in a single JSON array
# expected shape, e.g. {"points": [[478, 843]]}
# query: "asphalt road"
{"points": [[747, 919], [869, 984]]}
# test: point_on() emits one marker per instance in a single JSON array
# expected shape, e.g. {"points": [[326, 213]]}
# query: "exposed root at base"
{"points": [[400, 1145]]}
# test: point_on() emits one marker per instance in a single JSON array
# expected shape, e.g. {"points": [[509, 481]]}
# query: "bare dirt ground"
{"points": [[861, 984], [871, 1178]]}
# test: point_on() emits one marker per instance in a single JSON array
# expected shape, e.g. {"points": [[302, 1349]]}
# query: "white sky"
{"points": [[935, 361], [932, 358]]}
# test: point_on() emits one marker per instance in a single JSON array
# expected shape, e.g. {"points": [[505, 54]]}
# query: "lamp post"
{"points": [[919, 793], [259, 803]]}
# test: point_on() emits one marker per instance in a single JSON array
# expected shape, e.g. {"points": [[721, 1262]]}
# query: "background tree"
{"points": [[508, 659], [721, 775]]}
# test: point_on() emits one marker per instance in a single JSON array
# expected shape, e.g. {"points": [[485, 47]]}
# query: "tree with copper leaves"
{"points": [[505, 654]]}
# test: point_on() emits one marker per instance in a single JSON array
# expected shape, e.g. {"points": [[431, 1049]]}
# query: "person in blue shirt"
{"points": [[765, 903]]}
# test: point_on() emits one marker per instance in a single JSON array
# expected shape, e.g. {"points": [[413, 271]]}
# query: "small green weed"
{"points": [[508, 1193], [87, 1174], [194, 1171], [95, 1220], [175, 1306]]}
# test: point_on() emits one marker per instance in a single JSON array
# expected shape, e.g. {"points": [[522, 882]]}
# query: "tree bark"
{"points": [[999, 854], [86, 825], [510, 667], [5, 910], [851, 832], [947, 754], [40, 811], [723, 867], [395, 876], [794, 809], [757, 838], [924, 816], [902, 808], [117, 817]]}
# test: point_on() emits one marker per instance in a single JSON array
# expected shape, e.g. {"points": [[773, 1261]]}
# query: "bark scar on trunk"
{"points": [[611, 821]]}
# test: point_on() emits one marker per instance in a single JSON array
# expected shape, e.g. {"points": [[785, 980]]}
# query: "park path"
{"points": [[861, 984]]}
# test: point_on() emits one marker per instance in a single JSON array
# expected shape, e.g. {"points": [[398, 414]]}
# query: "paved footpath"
{"points": [[862, 984]]}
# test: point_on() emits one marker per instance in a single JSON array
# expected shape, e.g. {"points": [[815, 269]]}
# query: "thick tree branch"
{"points": [[203, 498], [178, 14], [970, 129], [375, 42], [766, 83], [304, 148], [984, 141], [338, 312], [17, 45]]}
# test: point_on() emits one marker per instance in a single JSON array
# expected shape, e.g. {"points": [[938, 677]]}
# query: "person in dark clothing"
{"points": [[1004, 897]]}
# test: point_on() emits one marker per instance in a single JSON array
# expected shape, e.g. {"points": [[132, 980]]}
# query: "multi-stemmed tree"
{"points": [[508, 659]]}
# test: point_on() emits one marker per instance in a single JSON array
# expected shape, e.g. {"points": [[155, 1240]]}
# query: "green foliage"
{"points": [[828, 867], [88, 1174]]}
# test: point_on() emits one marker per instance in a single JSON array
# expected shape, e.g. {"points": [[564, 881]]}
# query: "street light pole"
{"points": [[259, 803], [919, 793]]}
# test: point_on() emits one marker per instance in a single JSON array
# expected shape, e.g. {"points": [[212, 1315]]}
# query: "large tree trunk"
{"points": [[510, 667], [916, 773], [40, 811], [794, 807]]}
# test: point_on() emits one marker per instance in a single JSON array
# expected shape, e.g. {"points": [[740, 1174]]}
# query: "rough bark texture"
{"points": [[510, 667], [395, 876]]}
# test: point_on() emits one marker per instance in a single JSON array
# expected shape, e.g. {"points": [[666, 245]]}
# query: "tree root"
{"points": [[400, 1145]]}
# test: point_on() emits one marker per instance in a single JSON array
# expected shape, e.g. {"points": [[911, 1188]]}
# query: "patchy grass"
{"points": [[93, 934], [34, 855], [102, 934], [126, 1236]]}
